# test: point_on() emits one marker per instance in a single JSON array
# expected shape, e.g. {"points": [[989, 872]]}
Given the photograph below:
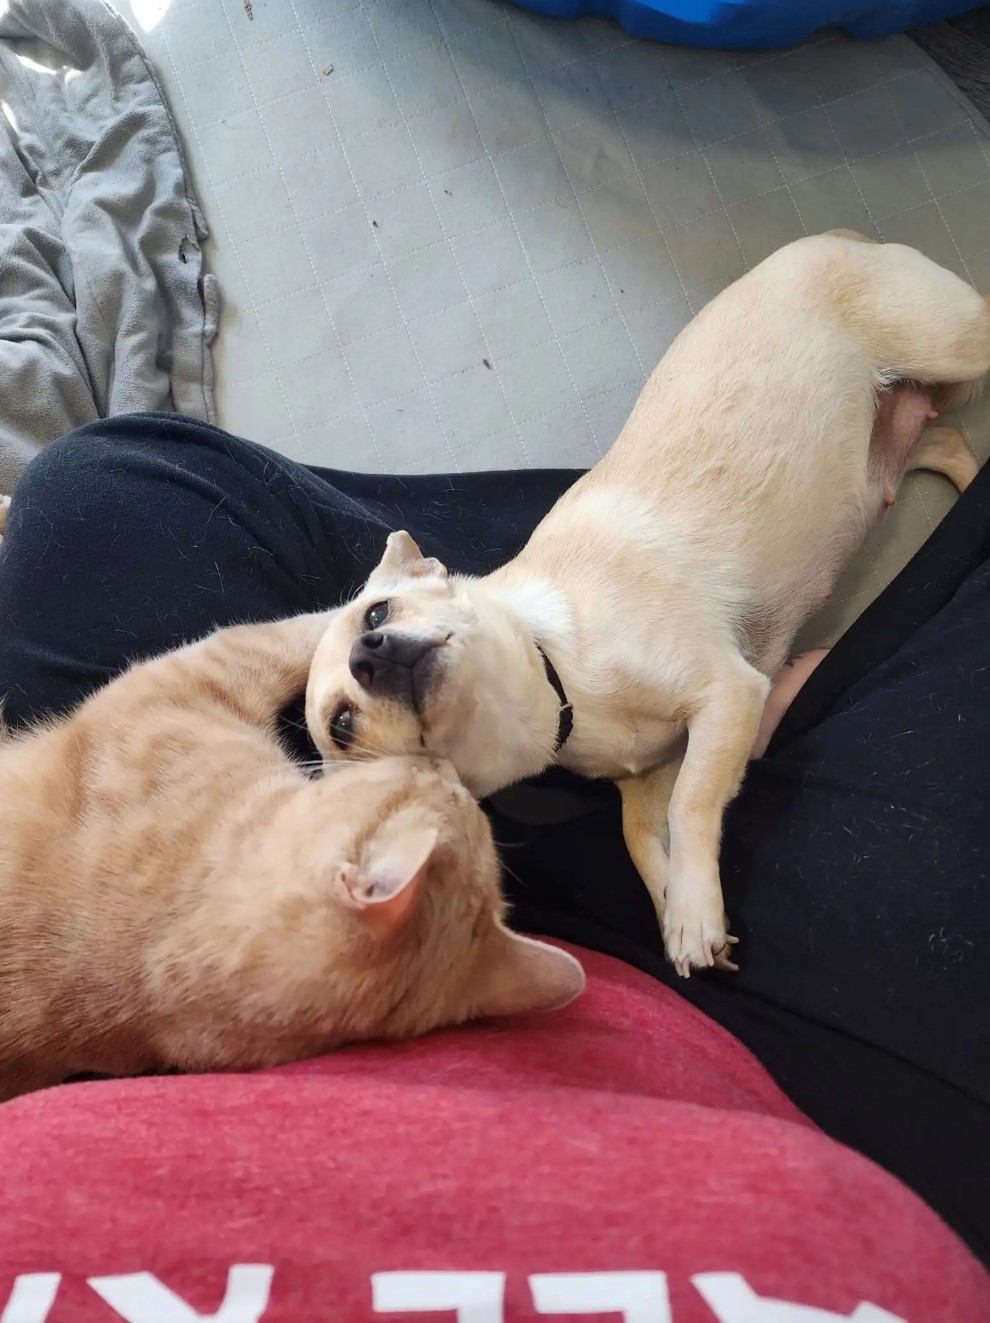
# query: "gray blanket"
{"points": [[104, 306]]}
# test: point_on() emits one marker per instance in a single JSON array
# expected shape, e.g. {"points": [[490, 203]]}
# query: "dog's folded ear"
{"points": [[404, 560]]}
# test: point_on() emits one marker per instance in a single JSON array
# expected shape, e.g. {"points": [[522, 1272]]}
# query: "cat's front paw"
{"points": [[697, 938]]}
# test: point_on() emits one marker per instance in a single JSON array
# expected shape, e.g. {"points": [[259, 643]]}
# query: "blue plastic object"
{"points": [[753, 24]]}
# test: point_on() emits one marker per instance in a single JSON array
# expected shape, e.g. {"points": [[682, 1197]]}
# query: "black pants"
{"points": [[855, 861]]}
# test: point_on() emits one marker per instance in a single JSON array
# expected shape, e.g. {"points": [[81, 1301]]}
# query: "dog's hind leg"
{"points": [[944, 450], [915, 319]]}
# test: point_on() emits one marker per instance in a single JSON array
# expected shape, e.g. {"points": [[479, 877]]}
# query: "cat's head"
{"points": [[403, 870]]}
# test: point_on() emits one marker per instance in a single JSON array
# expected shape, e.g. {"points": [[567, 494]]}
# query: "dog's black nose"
{"points": [[383, 661]]}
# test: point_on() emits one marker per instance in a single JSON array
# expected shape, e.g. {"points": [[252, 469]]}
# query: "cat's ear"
{"points": [[521, 974], [386, 887], [404, 560]]}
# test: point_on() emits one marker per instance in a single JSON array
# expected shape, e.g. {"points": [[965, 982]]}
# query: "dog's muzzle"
{"points": [[389, 664]]}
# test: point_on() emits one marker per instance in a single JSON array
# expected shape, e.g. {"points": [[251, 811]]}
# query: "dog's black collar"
{"points": [[565, 721]]}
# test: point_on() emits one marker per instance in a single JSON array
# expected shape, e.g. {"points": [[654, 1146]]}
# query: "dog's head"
{"points": [[424, 661]]}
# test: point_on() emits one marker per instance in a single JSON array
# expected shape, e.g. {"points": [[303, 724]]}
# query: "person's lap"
{"points": [[854, 859]]}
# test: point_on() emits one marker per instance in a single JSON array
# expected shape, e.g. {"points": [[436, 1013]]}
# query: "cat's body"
{"points": [[176, 892]]}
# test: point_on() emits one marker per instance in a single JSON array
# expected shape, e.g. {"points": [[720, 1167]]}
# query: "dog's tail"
{"points": [[916, 320]]}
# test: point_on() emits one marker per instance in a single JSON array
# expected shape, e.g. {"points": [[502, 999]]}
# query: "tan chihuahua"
{"points": [[634, 634]]}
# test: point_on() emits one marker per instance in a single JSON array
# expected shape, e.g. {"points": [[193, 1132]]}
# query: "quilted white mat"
{"points": [[452, 235]]}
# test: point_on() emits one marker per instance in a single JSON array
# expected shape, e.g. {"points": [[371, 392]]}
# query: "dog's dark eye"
{"points": [[376, 615], [342, 727]]}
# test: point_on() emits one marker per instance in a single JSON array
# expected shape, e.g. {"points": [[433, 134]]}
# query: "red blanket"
{"points": [[624, 1157]]}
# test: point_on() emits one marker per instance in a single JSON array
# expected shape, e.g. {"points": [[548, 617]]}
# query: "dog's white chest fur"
{"points": [[622, 680]]}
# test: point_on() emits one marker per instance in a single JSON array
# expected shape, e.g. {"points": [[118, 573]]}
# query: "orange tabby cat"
{"points": [[176, 892]]}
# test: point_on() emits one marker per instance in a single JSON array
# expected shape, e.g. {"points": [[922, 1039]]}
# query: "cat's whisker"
{"points": [[291, 771], [511, 872], [367, 754], [370, 753], [295, 725]]}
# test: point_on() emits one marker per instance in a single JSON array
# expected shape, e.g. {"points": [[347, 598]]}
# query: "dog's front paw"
{"points": [[694, 939]]}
